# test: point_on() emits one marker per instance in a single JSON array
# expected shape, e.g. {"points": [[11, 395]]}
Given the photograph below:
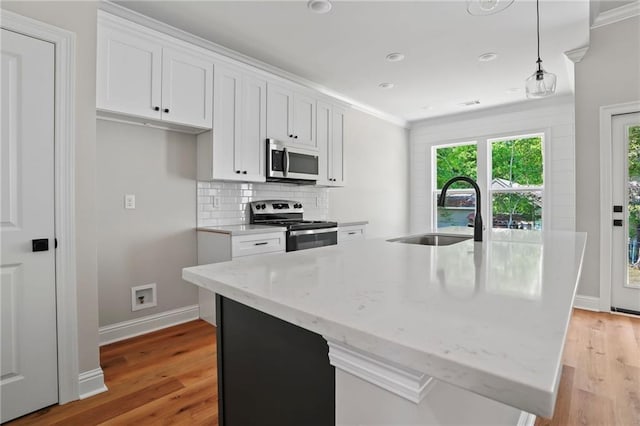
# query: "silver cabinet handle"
{"points": [[264, 243]]}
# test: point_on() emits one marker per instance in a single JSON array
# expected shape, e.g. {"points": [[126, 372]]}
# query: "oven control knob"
{"points": [[264, 206], [258, 206]]}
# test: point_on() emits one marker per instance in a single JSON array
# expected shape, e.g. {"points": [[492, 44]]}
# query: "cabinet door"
{"points": [[252, 150], [227, 127], [336, 149], [279, 113], [128, 73], [323, 139], [187, 92], [304, 120]]}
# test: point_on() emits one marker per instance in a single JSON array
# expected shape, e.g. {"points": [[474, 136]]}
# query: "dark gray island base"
{"points": [[271, 372]]}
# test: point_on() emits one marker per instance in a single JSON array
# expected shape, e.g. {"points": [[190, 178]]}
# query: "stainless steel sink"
{"points": [[434, 239]]}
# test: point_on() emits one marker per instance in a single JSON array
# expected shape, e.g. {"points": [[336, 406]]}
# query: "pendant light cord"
{"points": [[538, 28]]}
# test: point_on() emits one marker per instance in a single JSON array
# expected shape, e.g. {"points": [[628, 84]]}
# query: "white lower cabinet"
{"points": [[235, 149], [351, 232], [214, 247]]}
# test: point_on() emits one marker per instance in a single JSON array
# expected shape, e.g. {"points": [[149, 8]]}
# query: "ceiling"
{"points": [[344, 50]]}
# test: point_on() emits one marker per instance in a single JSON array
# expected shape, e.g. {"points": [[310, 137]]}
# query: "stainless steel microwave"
{"points": [[287, 163]]}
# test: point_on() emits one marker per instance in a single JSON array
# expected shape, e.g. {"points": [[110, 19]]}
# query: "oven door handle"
{"points": [[312, 231], [285, 172]]}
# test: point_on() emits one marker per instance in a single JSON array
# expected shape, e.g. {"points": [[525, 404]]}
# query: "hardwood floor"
{"points": [[165, 377], [600, 383], [169, 377]]}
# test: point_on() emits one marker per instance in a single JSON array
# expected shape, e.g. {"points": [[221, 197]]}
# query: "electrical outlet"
{"points": [[130, 201], [216, 202], [318, 202]]}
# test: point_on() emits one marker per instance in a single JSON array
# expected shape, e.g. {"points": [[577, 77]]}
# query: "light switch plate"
{"points": [[129, 201]]}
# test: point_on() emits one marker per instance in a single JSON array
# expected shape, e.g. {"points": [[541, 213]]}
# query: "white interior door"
{"points": [[29, 377], [625, 283]]}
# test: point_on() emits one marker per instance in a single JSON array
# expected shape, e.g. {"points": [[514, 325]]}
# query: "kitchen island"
{"points": [[469, 333]]}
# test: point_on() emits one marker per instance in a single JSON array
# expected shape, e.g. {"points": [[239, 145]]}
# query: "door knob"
{"points": [[40, 244]]}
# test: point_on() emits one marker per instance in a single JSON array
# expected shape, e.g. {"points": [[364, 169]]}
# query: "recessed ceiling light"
{"points": [[487, 7], [395, 57], [470, 103], [513, 90], [486, 57], [385, 85], [319, 6]]}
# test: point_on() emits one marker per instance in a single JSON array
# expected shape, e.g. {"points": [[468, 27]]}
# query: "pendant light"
{"points": [[540, 83]]}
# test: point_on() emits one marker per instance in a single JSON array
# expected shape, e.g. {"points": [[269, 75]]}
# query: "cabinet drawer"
{"points": [[349, 233], [247, 245]]}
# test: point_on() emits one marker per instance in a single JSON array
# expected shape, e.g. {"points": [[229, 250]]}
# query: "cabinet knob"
{"points": [[166, 110], [295, 137], [290, 136], [244, 172], [156, 108], [238, 171]]}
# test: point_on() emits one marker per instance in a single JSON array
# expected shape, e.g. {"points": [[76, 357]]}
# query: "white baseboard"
{"points": [[588, 303], [127, 329], [91, 383]]}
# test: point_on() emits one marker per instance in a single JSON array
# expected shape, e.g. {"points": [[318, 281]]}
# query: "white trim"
{"points": [[606, 215], [616, 15], [588, 303], [64, 185], [238, 58], [91, 383], [402, 381], [136, 327], [526, 419], [576, 55]]}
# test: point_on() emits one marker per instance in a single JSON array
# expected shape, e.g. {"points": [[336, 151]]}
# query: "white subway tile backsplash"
{"points": [[233, 199]]}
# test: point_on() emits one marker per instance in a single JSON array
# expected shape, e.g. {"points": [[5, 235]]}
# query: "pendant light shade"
{"points": [[540, 83]]}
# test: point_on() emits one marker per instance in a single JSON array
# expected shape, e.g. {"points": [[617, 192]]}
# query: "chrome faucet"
{"points": [[477, 223]]}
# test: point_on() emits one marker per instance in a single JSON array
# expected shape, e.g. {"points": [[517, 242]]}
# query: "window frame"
{"points": [[484, 172]]}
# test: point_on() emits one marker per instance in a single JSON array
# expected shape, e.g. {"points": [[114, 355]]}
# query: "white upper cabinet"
{"points": [[235, 148], [187, 92], [304, 120], [128, 73], [291, 116], [146, 74], [336, 148], [330, 138]]}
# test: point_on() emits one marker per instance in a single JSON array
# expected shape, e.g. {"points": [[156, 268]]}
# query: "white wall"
{"points": [[80, 18], [609, 74], [554, 116], [377, 176], [154, 241]]}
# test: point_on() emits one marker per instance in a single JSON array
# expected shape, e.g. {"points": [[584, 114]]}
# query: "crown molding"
{"points": [[241, 59], [576, 55], [616, 15]]}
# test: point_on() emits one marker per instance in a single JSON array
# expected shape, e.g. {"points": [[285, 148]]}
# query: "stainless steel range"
{"points": [[301, 234]]}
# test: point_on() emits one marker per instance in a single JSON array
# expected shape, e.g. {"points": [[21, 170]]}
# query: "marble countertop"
{"points": [[489, 317], [235, 230]]}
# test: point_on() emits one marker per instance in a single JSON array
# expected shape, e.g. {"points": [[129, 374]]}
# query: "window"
{"points": [[516, 182], [455, 160], [512, 177]]}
